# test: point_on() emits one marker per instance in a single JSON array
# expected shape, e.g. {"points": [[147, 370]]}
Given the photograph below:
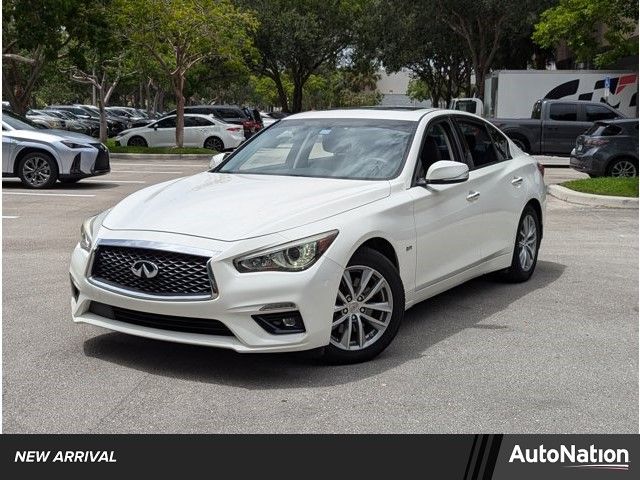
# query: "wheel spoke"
{"points": [[375, 323], [343, 299], [364, 281], [373, 291], [347, 279], [381, 307], [360, 333], [339, 321], [346, 336]]}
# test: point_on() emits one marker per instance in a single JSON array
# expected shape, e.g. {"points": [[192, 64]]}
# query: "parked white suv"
{"points": [[201, 131], [320, 231]]}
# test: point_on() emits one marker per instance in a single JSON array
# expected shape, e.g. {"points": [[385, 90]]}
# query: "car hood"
{"points": [[231, 207], [50, 135]]}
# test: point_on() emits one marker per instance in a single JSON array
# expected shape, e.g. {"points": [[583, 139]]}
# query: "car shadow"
{"points": [[15, 184], [425, 325]]}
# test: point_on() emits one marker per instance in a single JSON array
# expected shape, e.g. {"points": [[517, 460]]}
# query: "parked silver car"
{"points": [[40, 157]]}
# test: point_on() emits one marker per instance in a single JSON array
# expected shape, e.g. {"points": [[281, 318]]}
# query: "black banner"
{"points": [[466, 457]]}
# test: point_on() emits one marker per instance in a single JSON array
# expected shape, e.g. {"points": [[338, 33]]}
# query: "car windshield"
{"points": [[18, 122], [361, 149]]}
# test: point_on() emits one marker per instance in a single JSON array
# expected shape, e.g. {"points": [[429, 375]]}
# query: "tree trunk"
{"points": [[297, 95], [178, 88], [104, 128], [282, 94]]}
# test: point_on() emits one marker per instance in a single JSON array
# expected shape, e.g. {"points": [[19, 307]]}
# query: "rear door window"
{"points": [[563, 112], [597, 112]]}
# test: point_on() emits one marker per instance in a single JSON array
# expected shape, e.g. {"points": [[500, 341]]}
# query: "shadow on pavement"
{"points": [[15, 184], [426, 324]]}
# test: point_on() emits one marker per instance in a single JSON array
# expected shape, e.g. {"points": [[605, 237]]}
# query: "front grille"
{"points": [[178, 274], [162, 322], [102, 160]]}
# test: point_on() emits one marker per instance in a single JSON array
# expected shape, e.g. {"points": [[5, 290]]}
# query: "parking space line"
{"points": [[113, 181], [10, 216], [50, 194], [156, 164], [140, 171]]}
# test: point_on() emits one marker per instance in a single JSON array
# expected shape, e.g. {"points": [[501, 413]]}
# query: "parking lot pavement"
{"points": [[556, 354]]}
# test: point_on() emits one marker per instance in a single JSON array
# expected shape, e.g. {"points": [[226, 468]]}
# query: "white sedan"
{"points": [[316, 234], [199, 131]]}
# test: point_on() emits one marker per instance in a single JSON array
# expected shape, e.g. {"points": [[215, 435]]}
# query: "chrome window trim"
{"points": [[154, 246]]}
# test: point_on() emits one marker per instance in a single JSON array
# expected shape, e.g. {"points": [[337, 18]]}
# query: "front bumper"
{"points": [[240, 296], [85, 162]]}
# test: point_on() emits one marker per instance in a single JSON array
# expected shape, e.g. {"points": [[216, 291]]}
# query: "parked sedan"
{"points": [[199, 131], [608, 148], [317, 233], [40, 157], [42, 118]]}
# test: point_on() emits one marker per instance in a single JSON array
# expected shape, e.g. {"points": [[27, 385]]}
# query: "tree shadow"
{"points": [[425, 325]]}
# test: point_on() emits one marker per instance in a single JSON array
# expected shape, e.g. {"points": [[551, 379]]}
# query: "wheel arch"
{"points": [[383, 246], [535, 204], [33, 149], [519, 135]]}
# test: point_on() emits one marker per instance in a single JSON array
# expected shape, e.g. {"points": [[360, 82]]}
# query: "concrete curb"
{"points": [[571, 196], [160, 156]]}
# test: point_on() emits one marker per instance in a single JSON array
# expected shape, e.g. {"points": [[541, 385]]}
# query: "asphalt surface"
{"points": [[556, 354]]}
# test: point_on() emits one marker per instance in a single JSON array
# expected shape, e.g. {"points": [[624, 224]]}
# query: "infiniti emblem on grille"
{"points": [[144, 269]]}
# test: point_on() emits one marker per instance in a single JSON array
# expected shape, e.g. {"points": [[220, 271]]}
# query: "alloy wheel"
{"points": [[527, 242], [363, 308], [36, 171], [214, 144], [623, 168]]}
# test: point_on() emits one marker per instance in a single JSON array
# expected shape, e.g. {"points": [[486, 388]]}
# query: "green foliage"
{"points": [[578, 22], [617, 187], [418, 90]]}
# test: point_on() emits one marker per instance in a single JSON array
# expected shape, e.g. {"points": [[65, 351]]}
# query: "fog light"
{"points": [[280, 323]]}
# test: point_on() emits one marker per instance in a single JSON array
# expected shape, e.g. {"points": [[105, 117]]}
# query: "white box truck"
{"points": [[512, 93]]}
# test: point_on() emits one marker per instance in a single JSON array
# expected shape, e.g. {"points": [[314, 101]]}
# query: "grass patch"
{"points": [[113, 148], [617, 187]]}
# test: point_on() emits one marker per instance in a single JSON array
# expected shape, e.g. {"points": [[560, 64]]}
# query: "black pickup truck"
{"points": [[554, 125]]}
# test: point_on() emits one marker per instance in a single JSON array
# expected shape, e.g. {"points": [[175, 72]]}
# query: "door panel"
{"points": [[563, 126], [7, 154]]}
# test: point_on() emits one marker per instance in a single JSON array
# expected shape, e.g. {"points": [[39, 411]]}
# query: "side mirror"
{"points": [[446, 172], [217, 160], [155, 126]]}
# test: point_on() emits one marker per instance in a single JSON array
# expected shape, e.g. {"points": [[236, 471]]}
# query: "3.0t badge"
{"points": [[144, 269]]}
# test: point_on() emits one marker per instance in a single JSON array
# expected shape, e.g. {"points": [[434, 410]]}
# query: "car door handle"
{"points": [[473, 196], [517, 181]]}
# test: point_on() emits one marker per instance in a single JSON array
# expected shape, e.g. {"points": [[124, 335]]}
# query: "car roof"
{"points": [[385, 113]]}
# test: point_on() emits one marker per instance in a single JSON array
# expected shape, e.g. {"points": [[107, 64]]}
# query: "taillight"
{"points": [[594, 142], [234, 129], [540, 168]]}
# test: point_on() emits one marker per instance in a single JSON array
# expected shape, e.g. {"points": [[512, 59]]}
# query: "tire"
{"points": [[521, 143], [378, 326], [69, 180], [38, 170], [524, 264], [137, 141], [214, 143], [623, 167]]}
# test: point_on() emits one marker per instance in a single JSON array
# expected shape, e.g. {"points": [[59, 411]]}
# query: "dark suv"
{"points": [[225, 113], [608, 148]]}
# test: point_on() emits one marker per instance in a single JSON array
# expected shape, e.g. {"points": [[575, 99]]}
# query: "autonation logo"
{"points": [[592, 457]]}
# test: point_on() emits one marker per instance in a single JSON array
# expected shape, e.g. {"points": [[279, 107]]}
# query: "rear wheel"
{"points": [[214, 143], [38, 170], [368, 310], [623, 167], [521, 143], [525, 252], [137, 141]]}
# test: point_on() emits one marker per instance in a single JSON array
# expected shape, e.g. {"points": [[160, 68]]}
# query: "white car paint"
{"points": [[162, 133], [442, 235]]}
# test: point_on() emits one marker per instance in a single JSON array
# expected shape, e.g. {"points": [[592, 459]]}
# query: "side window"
{"points": [[167, 123], [190, 121], [437, 144], [478, 141], [501, 143], [202, 122], [596, 112], [563, 112]]}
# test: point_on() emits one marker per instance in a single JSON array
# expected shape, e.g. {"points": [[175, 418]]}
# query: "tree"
{"points": [[298, 37], [180, 34], [578, 22], [35, 33], [483, 24], [419, 41]]}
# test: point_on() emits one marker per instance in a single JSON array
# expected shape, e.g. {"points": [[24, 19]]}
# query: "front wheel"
{"points": [[368, 310], [525, 252], [38, 170]]}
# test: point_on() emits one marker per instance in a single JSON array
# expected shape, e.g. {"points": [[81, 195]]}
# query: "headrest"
{"points": [[337, 140]]}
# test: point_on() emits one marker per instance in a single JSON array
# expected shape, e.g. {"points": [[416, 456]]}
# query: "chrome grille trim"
{"points": [[160, 246]]}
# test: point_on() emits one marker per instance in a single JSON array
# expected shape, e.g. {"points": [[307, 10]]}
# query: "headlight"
{"points": [[73, 144], [290, 257], [86, 233]]}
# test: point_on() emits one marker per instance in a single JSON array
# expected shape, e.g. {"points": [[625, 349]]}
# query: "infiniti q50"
{"points": [[318, 233]]}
